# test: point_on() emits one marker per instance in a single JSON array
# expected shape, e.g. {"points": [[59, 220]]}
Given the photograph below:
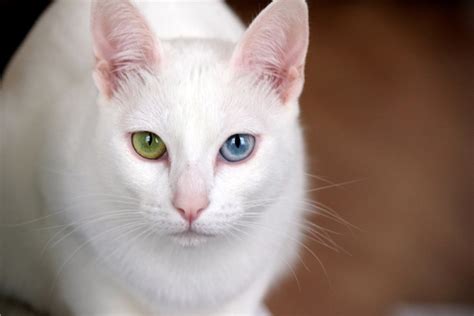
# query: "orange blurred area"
{"points": [[388, 101]]}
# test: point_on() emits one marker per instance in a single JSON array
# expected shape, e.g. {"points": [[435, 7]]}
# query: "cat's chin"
{"points": [[190, 238]]}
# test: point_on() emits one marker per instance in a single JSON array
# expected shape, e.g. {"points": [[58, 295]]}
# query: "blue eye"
{"points": [[237, 147]]}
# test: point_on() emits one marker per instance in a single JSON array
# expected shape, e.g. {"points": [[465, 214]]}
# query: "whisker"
{"points": [[299, 243], [318, 178], [281, 257], [335, 185], [148, 231], [322, 213], [97, 236], [130, 216], [316, 232], [65, 209], [316, 208], [325, 211]]}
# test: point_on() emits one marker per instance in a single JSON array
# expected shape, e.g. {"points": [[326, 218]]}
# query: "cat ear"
{"points": [[123, 43], [275, 46]]}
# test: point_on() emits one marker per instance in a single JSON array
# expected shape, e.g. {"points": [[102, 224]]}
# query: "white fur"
{"points": [[67, 160]]}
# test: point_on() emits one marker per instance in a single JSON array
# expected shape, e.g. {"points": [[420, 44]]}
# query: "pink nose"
{"points": [[190, 206]]}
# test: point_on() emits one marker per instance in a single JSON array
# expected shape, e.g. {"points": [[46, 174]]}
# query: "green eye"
{"points": [[148, 145]]}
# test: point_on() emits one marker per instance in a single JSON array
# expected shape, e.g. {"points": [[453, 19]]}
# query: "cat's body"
{"points": [[65, 163]]}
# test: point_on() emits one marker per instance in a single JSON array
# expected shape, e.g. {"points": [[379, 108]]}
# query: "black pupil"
{"points": [[149, 139], [237, 141]]}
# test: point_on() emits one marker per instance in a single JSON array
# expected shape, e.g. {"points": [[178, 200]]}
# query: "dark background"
{"points": [[388, 99]]}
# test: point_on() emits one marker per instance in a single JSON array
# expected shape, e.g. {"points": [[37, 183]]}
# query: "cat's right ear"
{"points": [[123, 44]]}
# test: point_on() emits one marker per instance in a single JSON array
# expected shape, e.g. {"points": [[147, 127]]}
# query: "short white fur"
{"points": [[87, 226]]}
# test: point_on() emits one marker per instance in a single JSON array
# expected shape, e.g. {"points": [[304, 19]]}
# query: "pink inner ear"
{"points": [[123, 43], [275, 46]]}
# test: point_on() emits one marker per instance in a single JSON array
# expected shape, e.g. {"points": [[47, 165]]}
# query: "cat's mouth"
{"points": [[192, 233], [191, 238]]}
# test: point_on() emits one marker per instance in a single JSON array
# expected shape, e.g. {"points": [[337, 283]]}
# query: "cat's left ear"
{"points": [[123, 43], [275, 45]]}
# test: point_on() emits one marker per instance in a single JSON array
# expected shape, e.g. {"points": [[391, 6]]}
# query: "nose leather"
{"points": [[191, 197]]}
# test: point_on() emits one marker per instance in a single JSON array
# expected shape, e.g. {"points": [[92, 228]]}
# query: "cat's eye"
{"points": [[237, 147], [148, 145]]}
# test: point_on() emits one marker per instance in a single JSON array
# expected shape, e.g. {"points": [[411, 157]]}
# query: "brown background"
{"points": [[388, 98]]}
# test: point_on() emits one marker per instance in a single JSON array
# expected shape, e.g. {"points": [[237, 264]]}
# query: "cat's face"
{"points": [[194, 106], [200, 135]]}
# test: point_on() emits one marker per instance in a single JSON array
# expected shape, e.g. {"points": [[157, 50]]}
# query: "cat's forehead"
{"points": [[192, 54], [195, 95], [189, 71], [197, 100], [194, 74], [196, 81]]}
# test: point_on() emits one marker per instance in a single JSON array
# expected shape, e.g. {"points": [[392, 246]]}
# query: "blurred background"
{"points": [[389, 101]]}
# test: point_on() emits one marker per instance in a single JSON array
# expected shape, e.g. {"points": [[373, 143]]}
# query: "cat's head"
{"points": [[201, 134]]}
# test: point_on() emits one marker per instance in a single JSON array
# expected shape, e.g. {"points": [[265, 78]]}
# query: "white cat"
{"points": [[177, 190]]}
